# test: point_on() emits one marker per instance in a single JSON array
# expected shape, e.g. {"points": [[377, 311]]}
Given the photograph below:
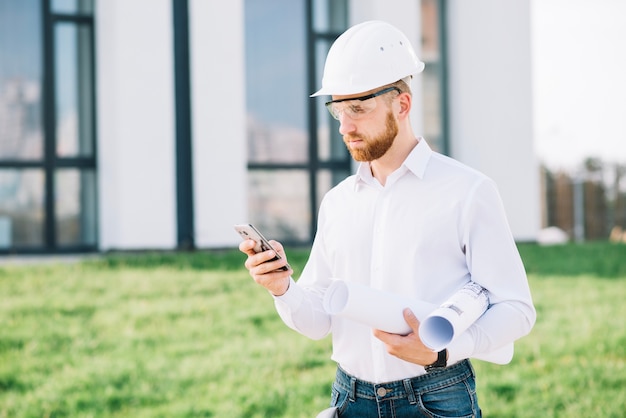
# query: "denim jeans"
{"points": [[450, 392]]}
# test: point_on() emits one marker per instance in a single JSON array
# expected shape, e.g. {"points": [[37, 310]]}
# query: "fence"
{"points": [[587, 205]]}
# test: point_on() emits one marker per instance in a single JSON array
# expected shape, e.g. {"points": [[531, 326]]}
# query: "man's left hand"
{"points": [[408, 347]]}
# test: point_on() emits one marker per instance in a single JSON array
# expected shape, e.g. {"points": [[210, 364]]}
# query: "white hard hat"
{"points": [[366, 56]]}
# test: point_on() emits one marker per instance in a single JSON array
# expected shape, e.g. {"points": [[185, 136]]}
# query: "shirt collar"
{"points": [[415, 162], [418, 158]]}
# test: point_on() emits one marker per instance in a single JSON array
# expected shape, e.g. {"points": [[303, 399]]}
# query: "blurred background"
{"points": [[158, 124], [579, 109]]}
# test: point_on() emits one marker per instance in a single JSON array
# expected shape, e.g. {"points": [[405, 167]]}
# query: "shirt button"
{"points": [[381, 392]]}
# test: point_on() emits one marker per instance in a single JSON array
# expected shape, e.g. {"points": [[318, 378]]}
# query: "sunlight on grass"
{"points": [[190, 335]]}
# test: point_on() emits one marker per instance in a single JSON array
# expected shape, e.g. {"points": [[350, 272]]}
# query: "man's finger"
{"points": [[246, 246], [411, 319]]}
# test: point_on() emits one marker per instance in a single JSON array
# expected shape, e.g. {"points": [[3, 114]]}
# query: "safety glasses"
{"points": [[356, 107]]}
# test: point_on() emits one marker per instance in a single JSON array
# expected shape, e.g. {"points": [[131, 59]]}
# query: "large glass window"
{"points": [[280, 199], [433, 77], [21, 73], [21, 208], [73, 214], [75, 207], [285, 153], [329, 20], [276, 127], [47, 143], [73, 88], [21, 128], [276, 81]]}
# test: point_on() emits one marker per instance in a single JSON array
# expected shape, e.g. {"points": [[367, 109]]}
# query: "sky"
{"points": [[579, 78]]}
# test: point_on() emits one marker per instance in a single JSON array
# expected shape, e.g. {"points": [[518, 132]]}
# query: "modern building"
{"points": [[158, 124]]}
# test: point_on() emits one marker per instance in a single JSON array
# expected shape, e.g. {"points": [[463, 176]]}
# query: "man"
{"points": [[410, 221]]}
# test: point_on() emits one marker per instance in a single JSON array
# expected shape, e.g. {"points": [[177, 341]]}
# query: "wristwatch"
{"points": [[440, 363]]}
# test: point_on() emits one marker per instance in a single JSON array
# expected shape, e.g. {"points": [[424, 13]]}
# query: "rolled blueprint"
{"points": [[376, 308], [383, 310], [454, 316]]}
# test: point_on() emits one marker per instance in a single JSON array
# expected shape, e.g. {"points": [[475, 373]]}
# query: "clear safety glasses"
{"points": [[356, 107]]}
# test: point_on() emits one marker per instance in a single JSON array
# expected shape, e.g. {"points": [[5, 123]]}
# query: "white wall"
{"points": [[219, 120], [135, 124], [490, 102]]}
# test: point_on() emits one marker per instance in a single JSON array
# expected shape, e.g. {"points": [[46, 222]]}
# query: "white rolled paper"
{"points": [[378, 309], [383, 310], [454, 316]]}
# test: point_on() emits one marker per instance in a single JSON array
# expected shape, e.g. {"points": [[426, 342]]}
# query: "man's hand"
{"points": [[265, 272], [408, 347]]}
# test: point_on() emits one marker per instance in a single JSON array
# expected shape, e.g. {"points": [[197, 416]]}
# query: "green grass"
{"points": [[190, 335]]}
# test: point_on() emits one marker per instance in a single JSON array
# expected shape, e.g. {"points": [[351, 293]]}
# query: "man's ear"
{"points": [[405, 102]]}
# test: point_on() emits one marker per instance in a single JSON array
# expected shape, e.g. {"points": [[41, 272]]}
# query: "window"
{"points": [[433, 77], [329, 20], [47, 126], [292, 157]]}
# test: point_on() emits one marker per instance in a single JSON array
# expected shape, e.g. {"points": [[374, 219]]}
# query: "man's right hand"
{"points": [[266, 272]]}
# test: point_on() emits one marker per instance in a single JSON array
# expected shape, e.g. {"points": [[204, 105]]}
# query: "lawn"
{"points": [[190, 335]]}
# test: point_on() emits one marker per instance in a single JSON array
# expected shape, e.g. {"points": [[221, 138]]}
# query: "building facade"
{"points": [[158, 124]]}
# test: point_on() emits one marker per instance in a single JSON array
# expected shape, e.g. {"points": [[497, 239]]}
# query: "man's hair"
{"points": [[401, 85]]}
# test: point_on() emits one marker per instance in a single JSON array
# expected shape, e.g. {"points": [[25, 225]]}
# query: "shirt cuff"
{"points": [[292, 298]]}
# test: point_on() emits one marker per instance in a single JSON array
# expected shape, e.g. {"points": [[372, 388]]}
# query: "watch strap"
{"points": [[440, 363]]}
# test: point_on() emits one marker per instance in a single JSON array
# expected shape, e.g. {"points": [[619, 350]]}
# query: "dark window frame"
{"points": [[442, 12], [185, 224]]}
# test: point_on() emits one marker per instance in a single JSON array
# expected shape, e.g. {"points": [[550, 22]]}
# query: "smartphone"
{"points": [[248, 231]]}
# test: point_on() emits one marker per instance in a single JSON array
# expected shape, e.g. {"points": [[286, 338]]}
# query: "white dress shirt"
{"points": [[433, 227]]}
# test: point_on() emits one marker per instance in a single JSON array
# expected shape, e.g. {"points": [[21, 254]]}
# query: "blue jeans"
{"points": [[450, 392]]}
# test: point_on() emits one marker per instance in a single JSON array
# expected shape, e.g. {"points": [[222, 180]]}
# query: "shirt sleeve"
{"points": [[301, 307], [494, 262]]}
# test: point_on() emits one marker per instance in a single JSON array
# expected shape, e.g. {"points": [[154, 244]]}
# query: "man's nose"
{"points": [[346, 124]]}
